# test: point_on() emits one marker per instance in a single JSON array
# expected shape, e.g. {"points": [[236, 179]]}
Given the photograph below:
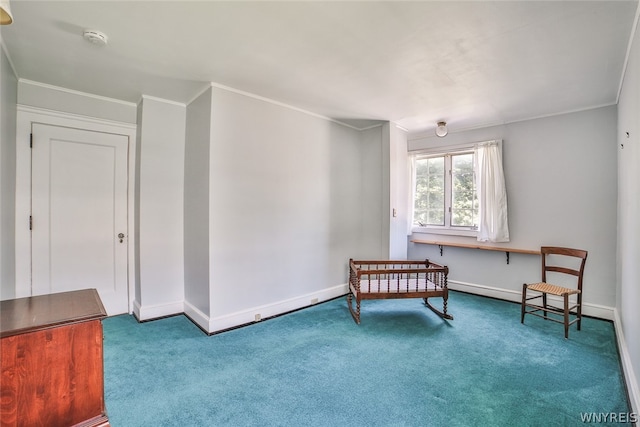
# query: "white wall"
{"points": [[398, 192], [283, 194], [285, 208], [628, 224], [384, 188], [8, 100], [374, 194], [265, 225], [196, 209], [35, 94], [160, 202], [562, 190]]}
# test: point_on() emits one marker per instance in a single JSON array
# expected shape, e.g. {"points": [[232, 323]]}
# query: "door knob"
{"points": [[121, 237]]}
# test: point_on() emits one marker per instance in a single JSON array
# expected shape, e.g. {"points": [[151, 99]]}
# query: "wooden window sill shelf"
{"points": [[507, 251]]}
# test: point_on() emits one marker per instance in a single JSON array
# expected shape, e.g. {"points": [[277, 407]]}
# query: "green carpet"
{"points": [[403, 366]]}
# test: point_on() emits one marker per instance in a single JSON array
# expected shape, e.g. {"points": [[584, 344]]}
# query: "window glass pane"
{"points": [[464, 202], [429, 201]]}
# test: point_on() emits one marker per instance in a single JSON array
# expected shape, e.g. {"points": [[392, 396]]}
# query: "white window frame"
{"points": [[447, 228]]}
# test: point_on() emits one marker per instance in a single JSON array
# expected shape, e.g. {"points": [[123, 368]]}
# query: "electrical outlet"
{"points": [[314, 301], [258, 317]]}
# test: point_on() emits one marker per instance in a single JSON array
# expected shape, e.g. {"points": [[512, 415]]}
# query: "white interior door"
{"points": [[79, 213]]}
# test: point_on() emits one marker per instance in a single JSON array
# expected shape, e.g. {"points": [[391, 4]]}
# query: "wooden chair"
{"points": [[543, 288]]}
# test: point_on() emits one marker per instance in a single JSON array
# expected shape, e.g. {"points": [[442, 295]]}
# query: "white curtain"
{"points": [[412, 193], [492, 194]]}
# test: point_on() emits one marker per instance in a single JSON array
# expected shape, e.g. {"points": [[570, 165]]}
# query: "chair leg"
{"points": [[579, 310], [544, 304], [524, 299], [566, 315]]}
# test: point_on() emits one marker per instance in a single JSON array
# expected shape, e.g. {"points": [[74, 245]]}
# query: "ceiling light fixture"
{"points": [[441, 130], [95, 37], [6, 17]]}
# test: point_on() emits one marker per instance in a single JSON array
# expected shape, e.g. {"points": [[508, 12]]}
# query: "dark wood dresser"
{"points": [[52, 371]]}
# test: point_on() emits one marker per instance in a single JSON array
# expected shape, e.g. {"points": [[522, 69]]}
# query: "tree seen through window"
{"points": [[445, 184]]}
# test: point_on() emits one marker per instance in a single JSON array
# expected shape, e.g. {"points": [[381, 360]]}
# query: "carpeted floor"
{"points": [[403, 366]]}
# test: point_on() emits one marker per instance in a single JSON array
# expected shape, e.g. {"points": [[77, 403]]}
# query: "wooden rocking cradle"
{"points": [[397, 279]]}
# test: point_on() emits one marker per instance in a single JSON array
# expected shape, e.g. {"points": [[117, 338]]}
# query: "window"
{"points": [[445, 197], [460, 190]]}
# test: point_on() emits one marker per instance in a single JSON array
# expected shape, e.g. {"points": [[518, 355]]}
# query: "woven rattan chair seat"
{"points": [[552, 289]]}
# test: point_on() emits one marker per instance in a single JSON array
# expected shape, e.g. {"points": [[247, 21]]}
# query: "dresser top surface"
{"points": [[23, 315]]}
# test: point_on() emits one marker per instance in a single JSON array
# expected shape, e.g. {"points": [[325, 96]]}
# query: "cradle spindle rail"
{"points": [[397, 279]]}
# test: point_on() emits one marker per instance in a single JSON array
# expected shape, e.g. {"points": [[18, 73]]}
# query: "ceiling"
{"points": [[472, 64]]}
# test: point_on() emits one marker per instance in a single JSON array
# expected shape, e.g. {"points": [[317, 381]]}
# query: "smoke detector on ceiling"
{"points": [[96, 37]]}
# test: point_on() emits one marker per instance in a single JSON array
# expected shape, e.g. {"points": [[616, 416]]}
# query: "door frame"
{"points": [[26, 116]]}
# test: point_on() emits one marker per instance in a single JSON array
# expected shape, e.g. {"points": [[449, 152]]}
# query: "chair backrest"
{"points": [[568, 252]]}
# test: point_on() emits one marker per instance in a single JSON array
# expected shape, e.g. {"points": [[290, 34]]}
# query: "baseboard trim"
{"points": [[588, 309], [196, 316], [150, 312], [259, 313], [627, 367]]}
